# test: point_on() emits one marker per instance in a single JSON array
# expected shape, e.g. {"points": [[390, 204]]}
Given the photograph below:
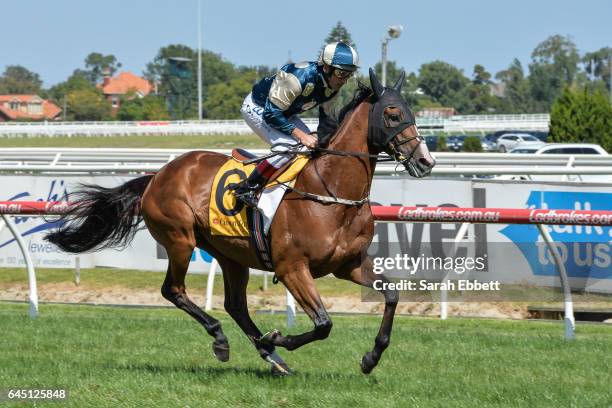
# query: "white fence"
{"points": [[459, 123], [81, 160]]}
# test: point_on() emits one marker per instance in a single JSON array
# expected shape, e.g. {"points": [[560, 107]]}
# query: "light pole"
{"points": [[200, 59], [393, 32]]}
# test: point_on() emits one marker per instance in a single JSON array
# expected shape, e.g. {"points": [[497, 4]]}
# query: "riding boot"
{"points": [[248, 190]]}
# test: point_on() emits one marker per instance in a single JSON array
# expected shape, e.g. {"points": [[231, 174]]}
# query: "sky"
{"points": [[53, 37]]}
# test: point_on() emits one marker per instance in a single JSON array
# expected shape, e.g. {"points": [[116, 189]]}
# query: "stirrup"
{"points": [[249, 197]]}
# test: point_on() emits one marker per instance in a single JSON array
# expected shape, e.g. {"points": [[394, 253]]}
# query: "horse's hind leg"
{"points": [[235, 280], [361, 272], [173, 289]]}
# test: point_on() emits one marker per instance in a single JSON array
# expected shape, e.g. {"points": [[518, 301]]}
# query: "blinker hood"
{"points": [[380, 132]]}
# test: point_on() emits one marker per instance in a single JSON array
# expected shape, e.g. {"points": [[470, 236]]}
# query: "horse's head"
{"points": [[392, 128]]}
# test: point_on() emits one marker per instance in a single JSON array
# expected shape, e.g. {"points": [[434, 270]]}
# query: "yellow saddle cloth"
{"points": [[228, 216]]}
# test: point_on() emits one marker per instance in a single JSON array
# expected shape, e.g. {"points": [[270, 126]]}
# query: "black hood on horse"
{"points": [[381, 129]]}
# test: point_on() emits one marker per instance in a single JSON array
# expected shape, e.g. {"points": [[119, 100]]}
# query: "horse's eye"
{"points": [[394, 117]]}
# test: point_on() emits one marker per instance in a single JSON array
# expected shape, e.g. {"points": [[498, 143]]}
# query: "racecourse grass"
{"points": [[144, 142], [110, 357]]}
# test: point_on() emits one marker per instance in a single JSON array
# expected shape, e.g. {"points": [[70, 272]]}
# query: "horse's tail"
{"points": [[101, 217]]}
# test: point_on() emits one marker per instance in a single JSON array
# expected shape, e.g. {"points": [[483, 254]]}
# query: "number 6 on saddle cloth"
{"points": [[230, 217]]}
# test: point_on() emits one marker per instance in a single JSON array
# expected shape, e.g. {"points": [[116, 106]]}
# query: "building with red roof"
{"points": [[27, 107], [125, 83]]}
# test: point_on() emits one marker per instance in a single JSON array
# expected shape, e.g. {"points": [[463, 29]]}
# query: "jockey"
{"points": [[272, 107]]}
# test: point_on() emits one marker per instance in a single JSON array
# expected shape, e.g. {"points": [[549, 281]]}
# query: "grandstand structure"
{"points": [[454, 124]]}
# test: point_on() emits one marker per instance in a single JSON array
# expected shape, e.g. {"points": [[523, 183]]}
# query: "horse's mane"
{"points": [[329, 124]]}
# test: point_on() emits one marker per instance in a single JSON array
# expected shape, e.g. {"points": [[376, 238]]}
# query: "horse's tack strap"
{"points": [[327, 199]]}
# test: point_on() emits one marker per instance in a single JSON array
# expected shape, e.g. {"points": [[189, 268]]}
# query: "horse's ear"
{"points": [[376, 85], [400, 81]]}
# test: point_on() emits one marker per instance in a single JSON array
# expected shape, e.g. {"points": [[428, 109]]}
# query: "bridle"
{"points": [[396, 153]]}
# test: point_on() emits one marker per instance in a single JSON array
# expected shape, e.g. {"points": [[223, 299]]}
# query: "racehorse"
{"points": [[324, 231]]}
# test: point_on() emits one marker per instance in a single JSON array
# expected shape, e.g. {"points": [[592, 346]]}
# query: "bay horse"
{"points": [[310, 237]]}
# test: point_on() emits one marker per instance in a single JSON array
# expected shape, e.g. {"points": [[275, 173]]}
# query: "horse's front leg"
{"points": [[361, 272], [299, 282]]}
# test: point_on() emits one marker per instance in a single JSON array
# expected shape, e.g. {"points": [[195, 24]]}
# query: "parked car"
{"points": [[561, 148], [542, 135], [571, 148], [507, 142], [432, 142], [487, 145], [524, 149], [455, 142]]}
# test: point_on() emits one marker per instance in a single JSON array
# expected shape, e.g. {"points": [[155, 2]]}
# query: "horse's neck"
{"points": [[352, 136], [353, 174]]}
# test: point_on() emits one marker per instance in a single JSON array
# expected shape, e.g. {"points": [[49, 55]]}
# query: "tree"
{"points": [[481, 76], [19, 80], [96, 64], [581, 116], [77, 81], [261, 71], [442, 146], [445, 84], [517, 97], [554, 66], [393, 71], [597, 66], [338, 33], [87, 104], [151, 107], [225, 99], [472, 144], [478, 93]]}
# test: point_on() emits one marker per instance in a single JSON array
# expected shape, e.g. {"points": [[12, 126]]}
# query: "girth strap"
{"points": [[327, 199]]}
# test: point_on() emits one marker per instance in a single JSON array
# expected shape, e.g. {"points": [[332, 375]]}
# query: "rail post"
{"points": [[29, 265], [569, 321]]}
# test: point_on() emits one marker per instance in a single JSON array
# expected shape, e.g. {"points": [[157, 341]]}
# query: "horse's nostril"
{"points": [[425, 162]]}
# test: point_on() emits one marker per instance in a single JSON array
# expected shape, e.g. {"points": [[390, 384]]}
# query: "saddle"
{"points": [[243, 156]]}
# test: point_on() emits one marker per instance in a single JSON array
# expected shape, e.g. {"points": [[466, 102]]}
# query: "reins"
{"points": [[298, 149], [332, 198]]}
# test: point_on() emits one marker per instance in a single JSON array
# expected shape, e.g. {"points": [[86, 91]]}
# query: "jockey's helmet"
{"points": [[340, 55]]}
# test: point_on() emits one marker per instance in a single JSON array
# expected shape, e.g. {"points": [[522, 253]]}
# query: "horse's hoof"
{"points": [[269, 337], [367, 363], [280, 369], [221, 350]]}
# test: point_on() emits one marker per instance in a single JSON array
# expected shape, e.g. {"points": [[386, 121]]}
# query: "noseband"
{"points": [[393, 148]]}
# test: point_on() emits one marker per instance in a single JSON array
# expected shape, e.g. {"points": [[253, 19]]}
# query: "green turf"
{"points": [[167, 142], [109, 357]]}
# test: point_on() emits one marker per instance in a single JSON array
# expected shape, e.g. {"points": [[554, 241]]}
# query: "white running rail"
{"points": [[100, 160], [458, 123]]}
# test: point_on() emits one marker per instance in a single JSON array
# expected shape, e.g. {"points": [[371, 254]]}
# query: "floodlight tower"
{"points": [[393, 32]]}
